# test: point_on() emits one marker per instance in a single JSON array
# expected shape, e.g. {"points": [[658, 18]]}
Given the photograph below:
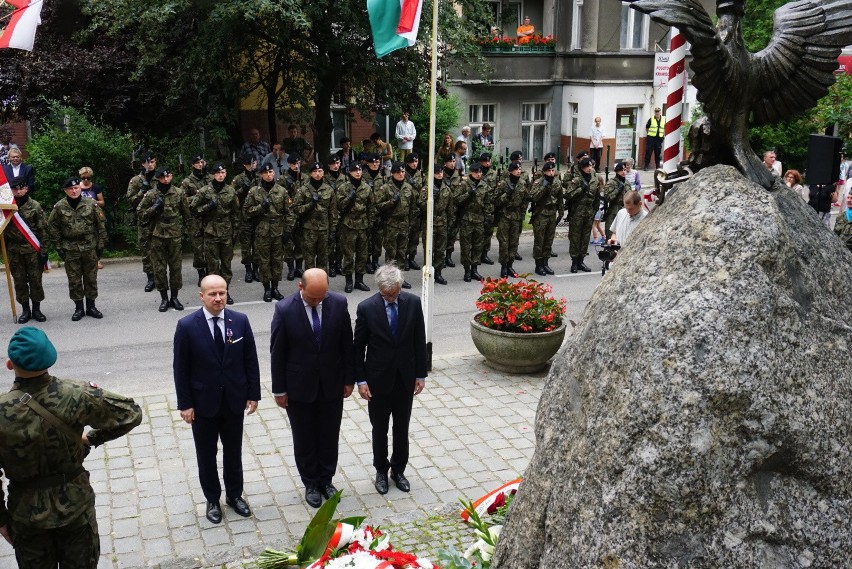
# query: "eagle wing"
{"points": [[797, 67], [713, 70]]}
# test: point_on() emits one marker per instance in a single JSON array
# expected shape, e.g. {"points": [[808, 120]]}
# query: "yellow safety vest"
{"points": [[657, 128]]}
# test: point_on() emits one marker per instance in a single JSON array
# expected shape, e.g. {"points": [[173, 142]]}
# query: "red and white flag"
{"points": [[6, 197], [20, 30]]}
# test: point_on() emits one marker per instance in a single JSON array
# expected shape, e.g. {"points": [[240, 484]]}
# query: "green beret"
{"points": [[31, 350]]}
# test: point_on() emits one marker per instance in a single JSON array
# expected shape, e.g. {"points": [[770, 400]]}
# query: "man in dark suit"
{"points": [[217, 377], [16, 168], [390, 366], [312, 372]]}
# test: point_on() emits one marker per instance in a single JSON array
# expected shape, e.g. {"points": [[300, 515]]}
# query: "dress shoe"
{"points": [[313, 497], [381, 483], [401, 481], [214, 512], [239, 505], [230, 300], [406, 284], [328, 491]]}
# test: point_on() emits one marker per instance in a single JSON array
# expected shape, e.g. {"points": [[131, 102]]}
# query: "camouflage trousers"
{"points": [[396, 244], [579, 231], [439, 243], [544, 230], [414, 236], [377, 239], [315, 248], [144, 242], [73, 546], [488, 230], [247, 252], [26, 272], [81, 267], [450, 241], [470, 242], [292, 245], [268, 254], [166, 259], [352, 244], [219, 253], [508, 235], [197, 243]]}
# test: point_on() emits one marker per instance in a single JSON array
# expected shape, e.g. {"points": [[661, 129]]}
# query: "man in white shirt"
{"points": [[465, 137], [405, 134], [628, 218]]}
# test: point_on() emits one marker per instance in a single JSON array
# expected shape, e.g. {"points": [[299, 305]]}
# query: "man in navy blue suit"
{"points": [[16, 168], [390, 366], [217, 378], [312, 372]]}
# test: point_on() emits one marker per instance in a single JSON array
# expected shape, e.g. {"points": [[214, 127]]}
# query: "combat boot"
{"points": [[486, 259], [369, 268], [539, 268], [91, 309], [582, 266], [575, 261], [291, 270], [511, 272], [25, 313], [504, 271], [267, 292], [449, 260], [230, 299], [349, 285], [78, 311], [276, 294], [545, 264], [359, 282], [256, 272], [406, 284], [439, 278], [466, 273], [332, 270], [474, 274], [249, 273], [37, 315], [414, 264], [174, 302], [164, 301], [201, 274], [149, 286], [518, 257], [298, 272], [553, 254]]}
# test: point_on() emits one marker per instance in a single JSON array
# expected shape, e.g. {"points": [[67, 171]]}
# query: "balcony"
{"points": [[505, 45]]}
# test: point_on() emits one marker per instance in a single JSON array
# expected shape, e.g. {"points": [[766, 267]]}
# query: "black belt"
{"points": [[46, 481]]}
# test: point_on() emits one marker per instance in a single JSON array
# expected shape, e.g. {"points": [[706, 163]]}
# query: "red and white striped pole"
{"points": [[674, 102]]}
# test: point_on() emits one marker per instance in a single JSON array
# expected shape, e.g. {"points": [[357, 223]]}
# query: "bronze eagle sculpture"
{"points": [[739, 88]]}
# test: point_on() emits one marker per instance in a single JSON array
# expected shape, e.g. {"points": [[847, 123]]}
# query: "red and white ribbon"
{"points": [[674, 102], [481, 506], [19, 222]]}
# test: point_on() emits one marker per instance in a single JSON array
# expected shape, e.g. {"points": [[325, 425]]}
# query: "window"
{"points": [[480, 114], [338, 130], [634, 28], [577, 26], [505, 16], [575, 120], [533, 129]]}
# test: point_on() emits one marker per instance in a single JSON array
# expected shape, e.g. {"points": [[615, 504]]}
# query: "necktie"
{"points": [[217, 336], [393, 316], [317, 326]]}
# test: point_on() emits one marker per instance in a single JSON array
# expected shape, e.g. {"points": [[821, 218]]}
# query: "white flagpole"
{"points": [[428, 269]]}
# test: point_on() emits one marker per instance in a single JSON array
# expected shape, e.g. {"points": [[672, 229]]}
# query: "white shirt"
{"points": [[466, 140], [596, 136], [209, 316], [624, 225], [309, 310], [405, 129]]}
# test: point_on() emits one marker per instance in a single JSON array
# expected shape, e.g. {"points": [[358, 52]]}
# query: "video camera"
{"points": [[608, 252]]}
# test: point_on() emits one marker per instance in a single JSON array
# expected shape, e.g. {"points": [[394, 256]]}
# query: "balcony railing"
{"points": [[535, 44]]}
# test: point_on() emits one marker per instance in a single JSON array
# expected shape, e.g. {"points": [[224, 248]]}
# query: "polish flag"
{"points": [[20, 32]]}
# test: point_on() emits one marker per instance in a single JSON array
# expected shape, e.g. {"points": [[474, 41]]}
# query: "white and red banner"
{"points": [[19, 31], [6, 197], [394, 24]]}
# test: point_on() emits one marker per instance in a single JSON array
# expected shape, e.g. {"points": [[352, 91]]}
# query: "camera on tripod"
{"points": [[608, 252]]}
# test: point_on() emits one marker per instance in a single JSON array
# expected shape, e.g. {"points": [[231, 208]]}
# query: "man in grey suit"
{"points": [[312, 372], [390, 366]]}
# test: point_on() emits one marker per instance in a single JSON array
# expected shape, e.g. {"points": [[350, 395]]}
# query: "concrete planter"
{"points": [[515, 352]]}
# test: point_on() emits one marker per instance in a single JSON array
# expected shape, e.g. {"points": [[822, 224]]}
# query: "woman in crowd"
{"points": [[93, 191], [794, 181]]}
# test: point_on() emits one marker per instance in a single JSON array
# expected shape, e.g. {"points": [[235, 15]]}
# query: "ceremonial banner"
{"points": [[20, 31], [394, 24]]}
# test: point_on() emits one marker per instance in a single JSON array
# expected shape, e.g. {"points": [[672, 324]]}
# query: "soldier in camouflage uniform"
{"points": [[136, 189], [396, 206], [51, 518], [581, 195], [416, 180], [314, 215], [511, 205], [218, 211], [489, 178], [191, 186], [442, 202], [355, 217], [25, 261], [373, 177], [75, 229], [334, 178], [518, 156], [242, 183], [166, 210], [454, 179], [546, 195], [471, 197], [292, 180], [614, 196], [267, 205]]}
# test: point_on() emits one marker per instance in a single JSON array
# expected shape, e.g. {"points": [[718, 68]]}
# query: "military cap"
{"points": [[413, 157], [315, 166], [550, 156], [397, 167], [514, 166], [17, 182], [218, 167], [292, 159], [437, 168], [549, 166], [71, 182], [268, 167], [475, 167], [484, 156], [333, 158], [619, 166], [448, 158], [585, 162], [581, 154], [247, 158], [197, 158], [162, 171], [516, 155], [31, 350], [148, 156], [354, 166]]}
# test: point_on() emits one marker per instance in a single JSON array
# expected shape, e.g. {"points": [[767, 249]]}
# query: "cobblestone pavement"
{"points": [[472, 430]]}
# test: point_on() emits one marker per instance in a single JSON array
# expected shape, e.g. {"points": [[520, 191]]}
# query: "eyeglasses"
{"points": [[85, 177]]}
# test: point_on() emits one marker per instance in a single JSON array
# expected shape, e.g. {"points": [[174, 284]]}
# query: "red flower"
{"points": [[499, 502]]}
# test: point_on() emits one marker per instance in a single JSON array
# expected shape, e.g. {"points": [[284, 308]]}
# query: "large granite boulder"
{"points": [[700, 415]]}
